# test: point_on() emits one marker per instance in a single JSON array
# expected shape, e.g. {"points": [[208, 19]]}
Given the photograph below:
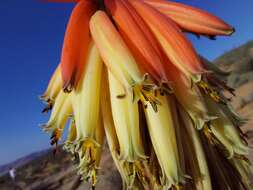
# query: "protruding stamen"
{"points": [[211, 92], [48, 107]]}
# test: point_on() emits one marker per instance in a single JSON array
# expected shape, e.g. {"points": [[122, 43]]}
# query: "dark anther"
{"points": [[211, 37], [47, 108], [53, 136], [68, 89], [121, 96]]}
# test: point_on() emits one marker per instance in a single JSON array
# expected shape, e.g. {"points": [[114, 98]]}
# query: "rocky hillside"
{"points": [[240, 62], [58, 172]]}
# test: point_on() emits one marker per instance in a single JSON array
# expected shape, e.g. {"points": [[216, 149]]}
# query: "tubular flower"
{"points": [[129, 170], [53, 89], [178, 49], [137, 36], [225, 133], [196, 167], [125, 114], [60, 114], [194, 103], [126, 118], [163, 137], [119, 59], [76, 43], [191, 19], [86, 109], [134, 79]]}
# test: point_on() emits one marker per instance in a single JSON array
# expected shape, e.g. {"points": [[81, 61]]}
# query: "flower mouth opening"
{"points": [[164, 88], [146, 94], [49, 103], [67, 88], [211, 92], [48, 107], [87, 150], [138, 172], [146, 91]]}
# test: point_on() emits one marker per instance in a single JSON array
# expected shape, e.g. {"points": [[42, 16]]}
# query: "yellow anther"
{"points": [[211, 92]]}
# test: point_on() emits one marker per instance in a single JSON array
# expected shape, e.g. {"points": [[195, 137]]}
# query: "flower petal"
{"points": [[163, 137], [134, 32], [192, 19], [126, 119], [76, 43], [176, 46], [53, 89], [119, 60]]}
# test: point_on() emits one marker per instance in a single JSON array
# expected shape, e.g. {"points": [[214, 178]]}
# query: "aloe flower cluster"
{"points": [[129, 77]]}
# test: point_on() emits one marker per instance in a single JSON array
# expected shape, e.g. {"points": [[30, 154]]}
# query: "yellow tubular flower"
{"points": [[199, 171], [119, 59], [53, 89], [68, 144], [124, 167], [109, 128], [59, 116], [225, 132], [244, 169], [163, 137], [86, 107], [89, 159], [126, 118], [189, 97]]}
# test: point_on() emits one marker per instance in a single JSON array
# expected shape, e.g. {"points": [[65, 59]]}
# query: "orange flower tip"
{"points": [[227, 33], [68, 81], [191, 19], [68, 86], [231, 31]]}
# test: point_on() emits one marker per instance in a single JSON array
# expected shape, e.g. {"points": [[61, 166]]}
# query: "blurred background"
{"points": [[31, 36]]}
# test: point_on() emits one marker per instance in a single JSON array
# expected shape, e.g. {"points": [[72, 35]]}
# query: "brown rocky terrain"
{"points": [[58, 172]]}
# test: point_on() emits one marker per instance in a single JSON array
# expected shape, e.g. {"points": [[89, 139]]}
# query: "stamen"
{"points": [[164, 88], [146, 94], [219, 83], [87, 150], [242, 157], [56, 135], [48, 107], [211, 92], [210, 136]]}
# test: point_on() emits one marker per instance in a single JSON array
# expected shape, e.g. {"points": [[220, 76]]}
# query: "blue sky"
{"points": [[31, 35]]}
